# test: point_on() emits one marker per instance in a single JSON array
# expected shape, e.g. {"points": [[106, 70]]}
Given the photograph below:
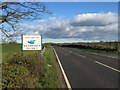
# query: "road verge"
{"points": [[63, 72]]}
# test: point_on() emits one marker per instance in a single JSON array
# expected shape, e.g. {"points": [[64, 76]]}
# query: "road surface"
{"points": [[87, 70]]}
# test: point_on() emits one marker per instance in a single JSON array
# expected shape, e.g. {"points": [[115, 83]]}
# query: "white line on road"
{"points": [[80, 55], [65, 77], [74, 53], [107, 66], [70, 51]]}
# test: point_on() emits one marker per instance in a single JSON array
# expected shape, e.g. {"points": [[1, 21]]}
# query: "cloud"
{"points": [[89, 26], [94, 19]]}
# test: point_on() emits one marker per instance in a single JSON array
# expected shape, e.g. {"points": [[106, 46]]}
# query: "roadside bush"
{"points": [[101, 46], [21, 72]]}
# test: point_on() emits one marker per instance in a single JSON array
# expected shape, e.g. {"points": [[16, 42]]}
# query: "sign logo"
{"points": [[31, 41]]}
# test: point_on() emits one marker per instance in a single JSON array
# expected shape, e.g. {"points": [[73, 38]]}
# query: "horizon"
{"points": [[65, 42]]}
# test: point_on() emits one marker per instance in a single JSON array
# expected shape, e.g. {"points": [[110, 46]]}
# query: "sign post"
{"points": [[32, 42]]}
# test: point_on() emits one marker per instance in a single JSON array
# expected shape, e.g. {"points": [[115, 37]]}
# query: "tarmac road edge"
{"points": [[62, 70]]}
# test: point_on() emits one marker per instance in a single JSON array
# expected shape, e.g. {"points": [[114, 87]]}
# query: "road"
{"points": [[88, 70]]}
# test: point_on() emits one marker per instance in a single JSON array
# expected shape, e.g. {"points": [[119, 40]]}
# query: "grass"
{"points": [[49, 68], [26, 72], [8, 50], [113, 54]]}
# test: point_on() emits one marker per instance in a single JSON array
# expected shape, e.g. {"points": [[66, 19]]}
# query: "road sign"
{"points": [[31, 42]]}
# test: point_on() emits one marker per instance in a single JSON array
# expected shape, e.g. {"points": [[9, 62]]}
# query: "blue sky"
{"points": [[75, 22], [69, 9]]}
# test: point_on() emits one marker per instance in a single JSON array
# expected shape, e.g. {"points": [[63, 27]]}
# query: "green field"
{"points": [[111, 49], [9, 50], [27, 71]]}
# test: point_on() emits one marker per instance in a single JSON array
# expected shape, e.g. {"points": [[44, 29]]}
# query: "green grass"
{"points": [[113, 54], [9, 50], [26, 72], [49, 68]]}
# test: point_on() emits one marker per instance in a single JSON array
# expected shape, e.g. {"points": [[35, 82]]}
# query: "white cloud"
{"points": [[97, 26], [94, 19]]}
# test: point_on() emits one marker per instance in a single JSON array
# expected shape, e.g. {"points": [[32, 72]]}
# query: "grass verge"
{"points": [[25, 72], [50, 79]]}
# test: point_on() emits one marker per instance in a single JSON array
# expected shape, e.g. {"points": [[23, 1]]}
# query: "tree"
{"points": [[15, 12]]}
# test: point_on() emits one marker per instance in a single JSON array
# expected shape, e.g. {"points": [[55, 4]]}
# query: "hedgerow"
{"points": [[21, 72]]}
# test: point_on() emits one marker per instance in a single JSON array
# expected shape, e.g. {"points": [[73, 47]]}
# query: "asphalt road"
{"points": [[87, 70]]}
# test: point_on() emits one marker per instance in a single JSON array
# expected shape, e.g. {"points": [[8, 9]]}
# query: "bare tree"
{"points": [[14, 12]]}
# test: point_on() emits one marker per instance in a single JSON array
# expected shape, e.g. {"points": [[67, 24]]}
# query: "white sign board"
{"points": [[31, 42]]}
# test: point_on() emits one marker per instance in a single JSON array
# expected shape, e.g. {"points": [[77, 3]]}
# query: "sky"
{"points": [[75, 22]]}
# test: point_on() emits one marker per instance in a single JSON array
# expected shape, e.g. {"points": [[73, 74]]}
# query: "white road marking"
{"points": [[70, 51], [80, 55], [107, 66], [63, 72], [77, 54]]}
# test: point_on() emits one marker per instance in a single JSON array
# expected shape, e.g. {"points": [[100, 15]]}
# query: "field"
{"points": [[28, 71], [104, 48]]}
